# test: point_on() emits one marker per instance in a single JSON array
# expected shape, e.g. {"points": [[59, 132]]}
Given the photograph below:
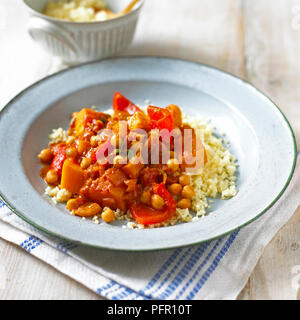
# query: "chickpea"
{"points": [[94, 141], [45, 155], [82, 147], [52, 177], [108, 215], [146, 197], [119, 161], [184, 180], [70, 140], [175, 188], [157, 202], [72, 204], [184, 203], [188, 192], [88, 210], [173, 164], [71, 152], [85, 163]]}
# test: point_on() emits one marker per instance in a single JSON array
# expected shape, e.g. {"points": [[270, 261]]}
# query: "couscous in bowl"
{"points": [[78, 42]]}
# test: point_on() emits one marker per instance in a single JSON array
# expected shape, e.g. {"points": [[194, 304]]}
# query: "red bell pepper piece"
{"points": [[121, 103], [160, 118], [101, 152], [161, 190], [59, 158], [145, 215]]}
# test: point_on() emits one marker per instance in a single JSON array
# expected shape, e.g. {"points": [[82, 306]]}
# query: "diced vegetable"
{"points": [[121, 103], [160, 118], [131, 185], [59, 158], [116, 176], [146, 215], [176, 114], [161, 190], [72, 177], [101, 152], [84, 117], [139, 121], [108, 190], [132, 169]]}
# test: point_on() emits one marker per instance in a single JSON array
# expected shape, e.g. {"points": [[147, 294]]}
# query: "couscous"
{"points": [[105, 172], [79, 10]]}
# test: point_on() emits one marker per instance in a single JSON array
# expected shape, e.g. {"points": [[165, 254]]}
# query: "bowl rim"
{"points": [[137, 8]]}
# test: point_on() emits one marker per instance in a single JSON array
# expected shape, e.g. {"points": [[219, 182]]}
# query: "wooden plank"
{"points": [[22, 276], [207, 31], [278, 271], [272, 49]]}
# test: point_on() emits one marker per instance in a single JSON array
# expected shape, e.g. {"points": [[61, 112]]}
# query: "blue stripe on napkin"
{"points": [[188, 263], [213, 266], [31, 243]]}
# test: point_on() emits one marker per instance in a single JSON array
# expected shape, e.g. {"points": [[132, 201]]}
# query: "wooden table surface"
{"points": [[257, 40]]}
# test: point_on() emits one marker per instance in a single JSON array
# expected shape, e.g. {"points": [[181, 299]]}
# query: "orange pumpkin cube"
{"points": [[72, 177]]}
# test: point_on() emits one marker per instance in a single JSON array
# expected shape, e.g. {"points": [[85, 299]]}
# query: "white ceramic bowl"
{"points": [[78, 42]]}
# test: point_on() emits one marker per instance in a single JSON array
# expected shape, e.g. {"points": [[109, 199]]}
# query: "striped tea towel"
{"points": [[214, 270]]}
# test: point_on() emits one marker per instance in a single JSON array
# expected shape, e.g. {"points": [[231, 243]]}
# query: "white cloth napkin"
{"points": [[214, 270]]}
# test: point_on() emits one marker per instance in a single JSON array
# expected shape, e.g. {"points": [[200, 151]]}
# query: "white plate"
{"points": [[260, 137]]}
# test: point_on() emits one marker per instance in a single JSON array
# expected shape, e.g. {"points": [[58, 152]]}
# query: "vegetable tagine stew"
{"points": [[103, 168]]}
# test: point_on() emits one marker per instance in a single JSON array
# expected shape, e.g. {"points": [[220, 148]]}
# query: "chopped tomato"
{"points": [[121, 103], [101, 152], [146, 215], [59, 158], [160, 118], [161, 190]]}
